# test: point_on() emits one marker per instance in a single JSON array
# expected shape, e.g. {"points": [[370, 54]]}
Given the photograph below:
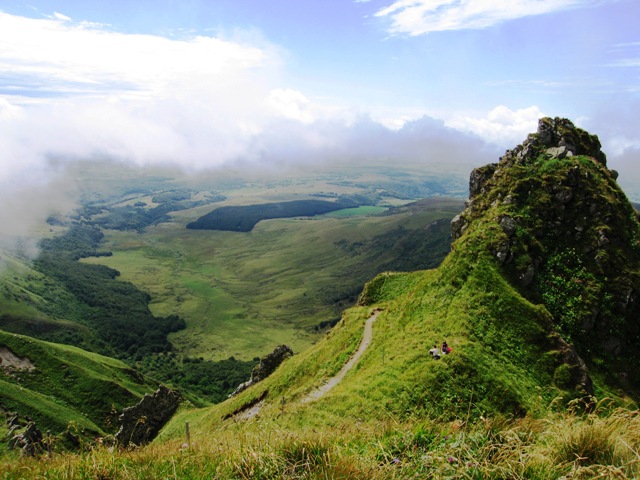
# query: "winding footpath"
{"points": [[319, 392], [367, 336]]}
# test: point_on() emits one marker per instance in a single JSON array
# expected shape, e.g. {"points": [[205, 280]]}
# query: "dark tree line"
{"points": [[244, 218], [114, 319], [116, 311]]}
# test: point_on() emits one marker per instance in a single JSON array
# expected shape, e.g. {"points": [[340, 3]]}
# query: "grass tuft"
{"points": [[602, 444]]}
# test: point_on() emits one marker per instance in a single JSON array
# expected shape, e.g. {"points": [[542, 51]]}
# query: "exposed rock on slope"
{"points": [[266, 367], [567, 236], [141, 423], [9, 361]]}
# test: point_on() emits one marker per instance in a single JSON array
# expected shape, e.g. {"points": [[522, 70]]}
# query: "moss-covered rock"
{"points": [[567, 236]]}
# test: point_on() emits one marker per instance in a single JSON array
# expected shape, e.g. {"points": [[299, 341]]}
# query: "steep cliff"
{"points": [[568, 238]]}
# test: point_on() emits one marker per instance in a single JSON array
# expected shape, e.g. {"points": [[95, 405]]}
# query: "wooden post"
{"points": [[283, 405], [48, 442], [186, 425]]}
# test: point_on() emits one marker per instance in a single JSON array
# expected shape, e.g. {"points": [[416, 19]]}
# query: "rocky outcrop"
{"points": [[25, 436], [572, 212], [266, 367], [552, 215], [555, 138], [141, 423], [9, 361]]}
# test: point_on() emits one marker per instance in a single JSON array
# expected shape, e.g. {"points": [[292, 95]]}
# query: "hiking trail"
{"points": [[367, 336]]}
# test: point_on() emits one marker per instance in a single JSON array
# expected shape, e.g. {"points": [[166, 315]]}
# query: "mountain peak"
{"points": [[558, 138], [552, 215]]}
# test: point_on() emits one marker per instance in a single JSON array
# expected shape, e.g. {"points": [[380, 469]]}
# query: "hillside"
{"points": [[65, 389], [286, 281], [64, 297], [538, 301], [515, 350]]}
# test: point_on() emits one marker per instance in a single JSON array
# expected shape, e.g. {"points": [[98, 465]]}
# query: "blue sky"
{"points": [[212, 83]]}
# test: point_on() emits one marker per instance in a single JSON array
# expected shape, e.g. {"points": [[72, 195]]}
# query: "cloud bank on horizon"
{"points": [[203, 87]]}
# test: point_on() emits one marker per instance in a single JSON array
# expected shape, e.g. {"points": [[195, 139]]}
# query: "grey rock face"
{"points": [[508, 225], [141, 423], [266, 367]]}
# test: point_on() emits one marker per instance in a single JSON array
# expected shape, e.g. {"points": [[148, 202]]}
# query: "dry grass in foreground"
{"points": [[603, 444]]}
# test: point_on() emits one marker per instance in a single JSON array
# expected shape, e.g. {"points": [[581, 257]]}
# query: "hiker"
{"points": [[435, 352], [445, 348]]}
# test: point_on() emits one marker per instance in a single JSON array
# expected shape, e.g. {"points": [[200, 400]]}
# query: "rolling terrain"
{"points": [[194, 309], [241, 294], [65, 389], [538, 298]]}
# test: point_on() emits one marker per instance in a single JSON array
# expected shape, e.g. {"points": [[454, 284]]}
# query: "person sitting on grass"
{"points": [[435, 352], [445, 348]]}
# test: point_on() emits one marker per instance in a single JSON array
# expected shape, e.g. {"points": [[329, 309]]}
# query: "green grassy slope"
{"points": [[493, 408], [67, 384], [512, 353], [502, 359]]}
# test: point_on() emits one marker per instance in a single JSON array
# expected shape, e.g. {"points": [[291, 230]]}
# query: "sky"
{"points": [[211, 83]]}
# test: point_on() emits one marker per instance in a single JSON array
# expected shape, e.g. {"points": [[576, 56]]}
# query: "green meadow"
{"points": [[241, 294]]}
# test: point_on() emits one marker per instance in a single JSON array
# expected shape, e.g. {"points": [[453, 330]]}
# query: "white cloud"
{"points": [[418, 17], [77, 91], [291, 104], [56, 55], [626, 63], [501, 126], [8, 110], [60, 16], [72, 91]]}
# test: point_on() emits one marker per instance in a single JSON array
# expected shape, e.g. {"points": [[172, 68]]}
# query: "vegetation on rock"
{"points": [[553, 216]]}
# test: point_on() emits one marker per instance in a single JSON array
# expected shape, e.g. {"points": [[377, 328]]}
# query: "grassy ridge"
{"points": [[67, 385], [502, 359]]}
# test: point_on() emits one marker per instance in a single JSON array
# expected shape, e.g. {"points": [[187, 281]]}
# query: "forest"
{"points": [[118, 314], [244, 218]]}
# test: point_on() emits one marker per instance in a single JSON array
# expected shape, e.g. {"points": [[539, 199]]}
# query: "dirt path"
{"points": [[367, 336]]}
